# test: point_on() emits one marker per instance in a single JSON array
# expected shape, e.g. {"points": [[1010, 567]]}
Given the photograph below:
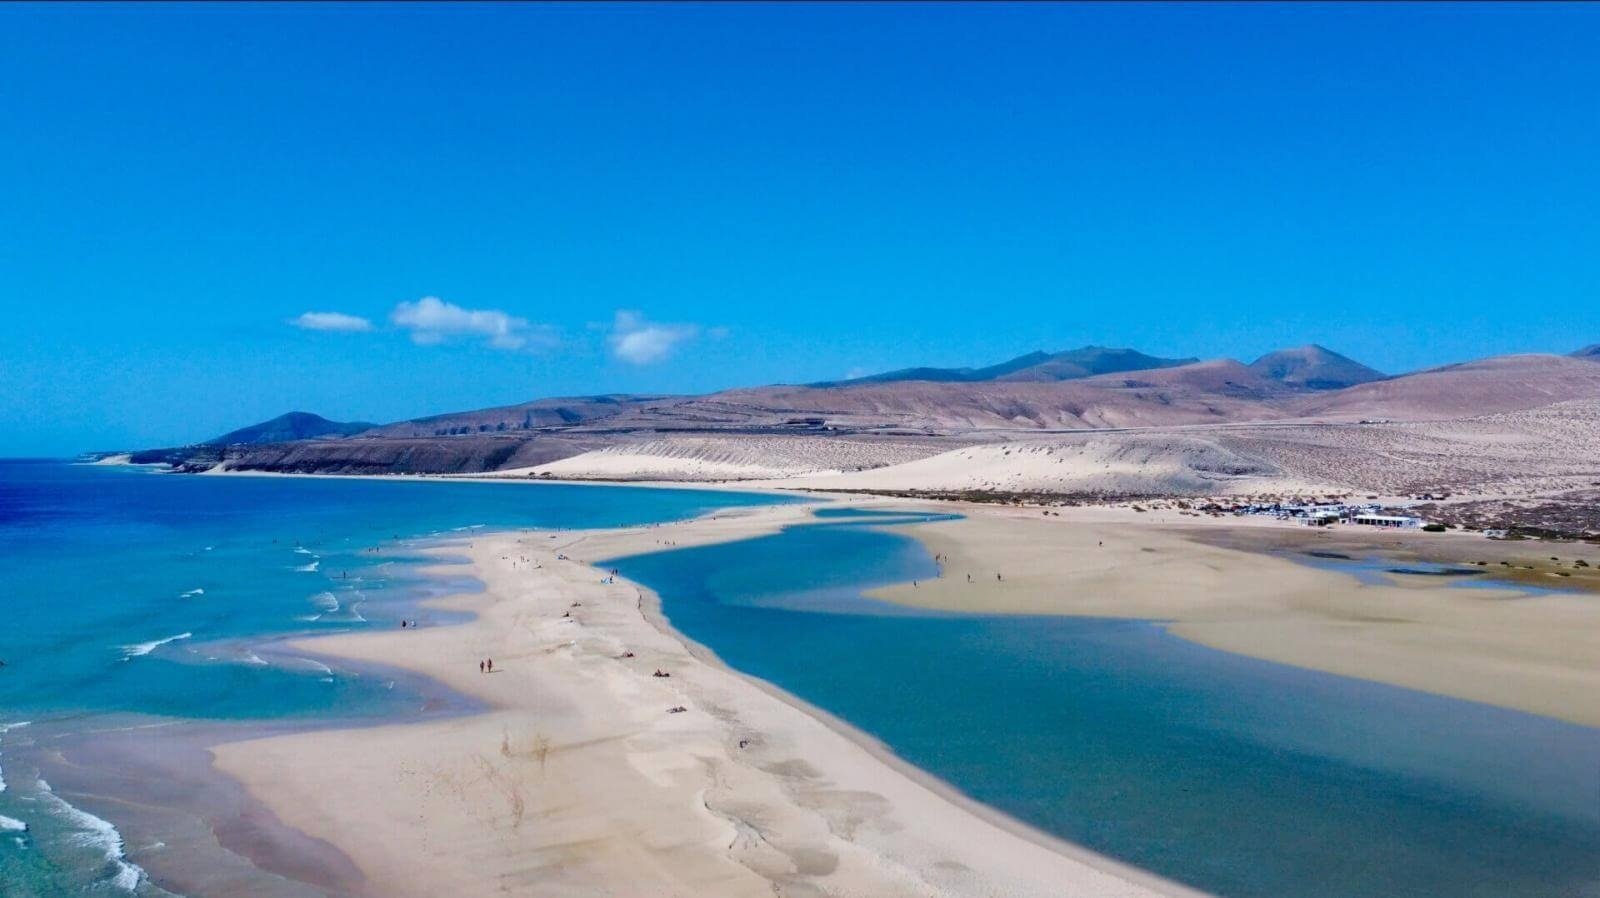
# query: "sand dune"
{"points": [[1116, 464], [694, 458]]}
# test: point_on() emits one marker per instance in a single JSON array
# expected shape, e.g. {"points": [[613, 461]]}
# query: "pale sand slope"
{"points": [[1121, 463], [744, 457], [1538, 654], [580, 782], [1527, 452]]}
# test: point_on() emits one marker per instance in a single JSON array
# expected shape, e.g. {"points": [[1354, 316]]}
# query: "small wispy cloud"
{"points": [[332, 321], [430, 320], [639, 342]]}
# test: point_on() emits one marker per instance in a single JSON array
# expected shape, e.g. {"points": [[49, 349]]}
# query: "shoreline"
{"points": [[151, 779], [1233, 586], [835, 813], [1249, 545], [650, 607]]}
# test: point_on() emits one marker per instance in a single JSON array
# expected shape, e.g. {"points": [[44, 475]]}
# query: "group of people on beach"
{"points": [[486, 665]]}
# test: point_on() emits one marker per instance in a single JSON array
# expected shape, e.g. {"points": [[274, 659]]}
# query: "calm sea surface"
{"points": [[1237, 776], [133, 600]]}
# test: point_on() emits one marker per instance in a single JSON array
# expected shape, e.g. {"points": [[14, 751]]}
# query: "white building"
{"points": [[1386, 520]]}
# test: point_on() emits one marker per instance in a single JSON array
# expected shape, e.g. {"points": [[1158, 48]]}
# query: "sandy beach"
{"points": [[581, 781], [1228, 584]]}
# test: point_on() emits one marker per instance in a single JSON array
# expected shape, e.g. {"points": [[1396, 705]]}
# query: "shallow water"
{"points": [[137, 603], [1237, 776]]}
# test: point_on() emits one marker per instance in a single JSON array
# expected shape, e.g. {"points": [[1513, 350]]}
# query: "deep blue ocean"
{"points": [[130, 600]]}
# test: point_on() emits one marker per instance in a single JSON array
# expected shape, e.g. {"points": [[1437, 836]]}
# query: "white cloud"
{"points": [[431, 320], [639, 342], [332, 321]]}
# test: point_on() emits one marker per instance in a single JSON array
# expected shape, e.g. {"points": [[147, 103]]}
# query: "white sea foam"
{"points": [[326, 601], [144, 648], [319, 666], [309, 568], [93, 832], [12, 825], [6, 728], [192, 593], [303, 550]]}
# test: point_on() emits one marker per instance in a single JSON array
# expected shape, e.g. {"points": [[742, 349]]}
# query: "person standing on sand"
{"points": [[490, 662], [480, 667]]}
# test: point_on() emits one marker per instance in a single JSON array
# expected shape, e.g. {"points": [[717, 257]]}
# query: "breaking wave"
{"points": [[139, 649], [95, 833]]}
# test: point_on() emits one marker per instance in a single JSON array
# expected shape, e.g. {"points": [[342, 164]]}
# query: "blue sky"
{"points": [[525, 201]]}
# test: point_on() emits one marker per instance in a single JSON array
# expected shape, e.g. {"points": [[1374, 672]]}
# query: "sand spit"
{"points": [[581, 781], [1536, 653]]}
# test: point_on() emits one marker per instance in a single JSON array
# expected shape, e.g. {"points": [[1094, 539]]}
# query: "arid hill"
{"points": [[292, 426], [1499, 427], [1500, 384], [541, 414], [1313, 368], [1035, 366]]}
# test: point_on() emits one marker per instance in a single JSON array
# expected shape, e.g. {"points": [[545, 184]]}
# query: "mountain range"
{"points": [[1092, 388]]}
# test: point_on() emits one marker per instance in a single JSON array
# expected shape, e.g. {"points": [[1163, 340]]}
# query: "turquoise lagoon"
{"points": [[1233, 775]]}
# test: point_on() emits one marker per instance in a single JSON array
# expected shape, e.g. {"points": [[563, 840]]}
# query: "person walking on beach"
{"points": [[480, 667], [490, 662]]}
